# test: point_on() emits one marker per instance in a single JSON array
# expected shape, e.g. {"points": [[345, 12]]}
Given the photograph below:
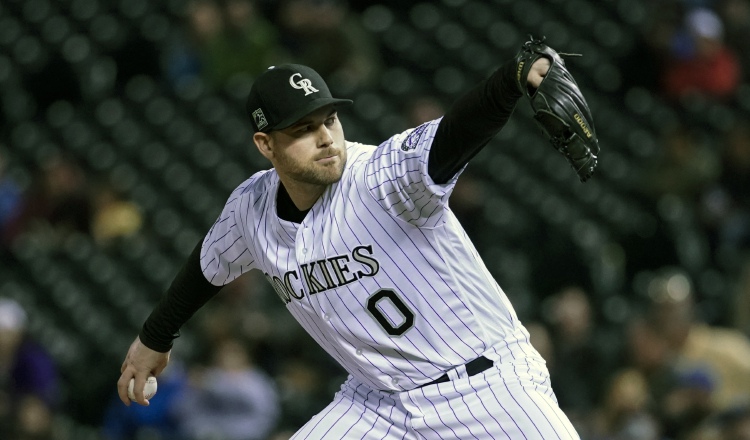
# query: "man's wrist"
{"points": [[153, 340], [509, 84]]}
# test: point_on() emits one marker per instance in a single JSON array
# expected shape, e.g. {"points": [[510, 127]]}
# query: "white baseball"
{"points": [[148, 390]]}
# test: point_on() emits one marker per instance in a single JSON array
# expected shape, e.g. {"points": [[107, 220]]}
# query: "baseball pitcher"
{"points": [[360, 244]]}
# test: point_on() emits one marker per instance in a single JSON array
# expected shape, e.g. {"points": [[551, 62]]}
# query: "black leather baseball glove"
{"points": [[559, 108]]}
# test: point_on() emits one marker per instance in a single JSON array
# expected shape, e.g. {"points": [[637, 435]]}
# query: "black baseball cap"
{"points": [[284, 94]]}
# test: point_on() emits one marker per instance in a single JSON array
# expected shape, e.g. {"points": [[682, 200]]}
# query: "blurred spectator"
{"points": [[736, 424], [736, 172], [158, 421], [225, 38], [700, 61], [542, 341], [248, 309], [57, 204], [741, 316], [29, 386], [733, 424], [327, 36], [642, 65], [626, 413], [720, 356], [647, 349], [113, 216], [34, 420], [282, 435], [423, 108], [736, 17], [581, 363], [231, 400], [303, 390], [681, 391], [688, 403], [726, 205], [684, 168], [11, 198], [203, 24]]}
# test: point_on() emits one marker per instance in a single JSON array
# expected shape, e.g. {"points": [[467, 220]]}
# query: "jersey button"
{"points": [[326, 316], [304, 251], [359, 352], [394, 381]]}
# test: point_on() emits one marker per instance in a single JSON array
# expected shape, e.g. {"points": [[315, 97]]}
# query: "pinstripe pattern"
{"points": [[358, 412], [385, 279], [510, 401]]}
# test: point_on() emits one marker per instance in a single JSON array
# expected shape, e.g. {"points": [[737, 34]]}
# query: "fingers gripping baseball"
{"points": [[140, 363]]}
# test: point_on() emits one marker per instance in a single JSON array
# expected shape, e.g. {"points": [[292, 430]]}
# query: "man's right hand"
{"points": [[139, 363], [539, 70]]}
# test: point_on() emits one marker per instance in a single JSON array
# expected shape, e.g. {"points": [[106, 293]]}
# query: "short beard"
{"points": [[314, 175], [319, 176]]}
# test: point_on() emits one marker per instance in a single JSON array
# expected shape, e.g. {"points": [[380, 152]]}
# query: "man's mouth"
{"points": [[327, 157]]}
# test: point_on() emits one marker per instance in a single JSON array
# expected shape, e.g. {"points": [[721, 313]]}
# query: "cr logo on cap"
{"points": [[304, 84]]}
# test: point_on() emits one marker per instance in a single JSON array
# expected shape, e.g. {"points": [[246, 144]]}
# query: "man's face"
{"points": [[311, 151]]}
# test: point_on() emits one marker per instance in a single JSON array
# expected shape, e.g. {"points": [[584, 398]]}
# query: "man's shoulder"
{"points": [[257, 185], [358, 151], [358, 154], [408, 141]]}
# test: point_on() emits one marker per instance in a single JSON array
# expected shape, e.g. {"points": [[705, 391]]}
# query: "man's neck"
{"points": [[303, 195], [285, 208], [295, 208]]}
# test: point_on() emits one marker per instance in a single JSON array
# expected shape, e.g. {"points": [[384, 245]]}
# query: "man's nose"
{"points": [[324, 136]]}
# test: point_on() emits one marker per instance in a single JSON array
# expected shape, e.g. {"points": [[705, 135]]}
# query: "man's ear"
{"points": [[263, 141]]}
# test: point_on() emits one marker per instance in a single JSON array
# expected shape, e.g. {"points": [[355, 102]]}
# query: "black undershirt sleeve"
{"points": [[471, 122], [188, 292]]}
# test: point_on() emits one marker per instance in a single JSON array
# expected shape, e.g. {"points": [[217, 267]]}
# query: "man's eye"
{"points": [[330, 120]]}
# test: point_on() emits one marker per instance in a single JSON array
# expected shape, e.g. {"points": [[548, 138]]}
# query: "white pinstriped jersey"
{"points": [[379, 272]]}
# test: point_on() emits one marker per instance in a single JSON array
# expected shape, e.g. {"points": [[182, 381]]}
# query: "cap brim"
{"points": [[307, 109]]}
